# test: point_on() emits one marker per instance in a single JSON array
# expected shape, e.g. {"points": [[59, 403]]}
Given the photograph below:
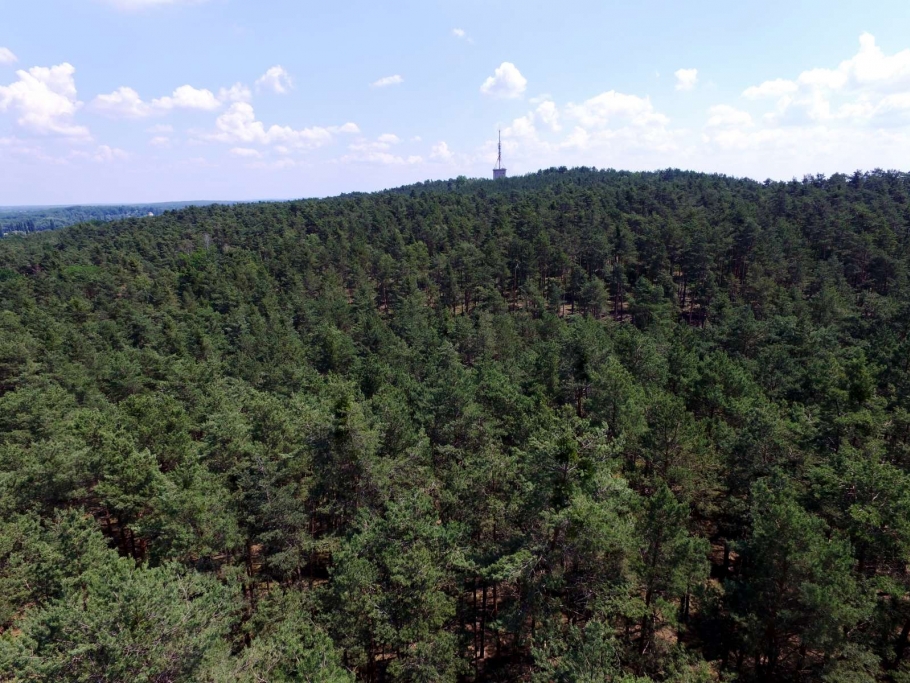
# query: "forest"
{"points": [[574, 426], [28, 219]]}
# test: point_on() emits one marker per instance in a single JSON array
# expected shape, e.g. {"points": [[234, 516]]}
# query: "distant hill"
{"points": [[27, 219]]}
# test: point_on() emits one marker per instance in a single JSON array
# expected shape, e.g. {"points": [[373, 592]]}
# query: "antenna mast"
{"points": [[499, 158], [499, 171]]}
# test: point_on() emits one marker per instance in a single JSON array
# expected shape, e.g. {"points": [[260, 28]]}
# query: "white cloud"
{"points": [[441, 152], [549, 114], [381, 158], [122, 103], [612, 128], [868, 86], [239, 125], [13, 146], [103, 154], [387, 81], [723, 115], [46, 100], [160, 129], [236, 93], [854, 115], [820, 78], [686, 79], [106, 154], [462, 35], [188, 97], [776, 88], [346, 128], [522, 127], [160, 141], [871, 68], [611, 106], [7, 56], [506, 82], [381, 144], [246, 153], [126, 102], [376, 152], [276, 79]]}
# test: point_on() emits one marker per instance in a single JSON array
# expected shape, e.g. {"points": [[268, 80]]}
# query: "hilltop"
{"points": [[577, 425]]}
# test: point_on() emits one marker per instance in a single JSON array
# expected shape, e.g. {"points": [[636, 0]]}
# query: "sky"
{"points": [[109, 101]]}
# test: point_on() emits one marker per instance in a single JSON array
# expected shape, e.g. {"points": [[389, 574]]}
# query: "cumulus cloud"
{"points": [[7, 56], [776, 88], [246, 153], [126, 102], [122, 103], [459, 33], [387, 81], [239, 125], [346, 128], [549, 114], [17, 147], [105, 153], [45, 99], [102, 154], [869, 86], [506, 82], [686, 79], [870, 67], [188, 97], [377, 152], [611, 107], [610, 129], [855, 114], [276, 79], [160, 141], [236, 93], [441, 151], [723, 115]]}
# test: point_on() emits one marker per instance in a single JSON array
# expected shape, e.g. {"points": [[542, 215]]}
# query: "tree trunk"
{"points": [[483, 623], [901, 645]]}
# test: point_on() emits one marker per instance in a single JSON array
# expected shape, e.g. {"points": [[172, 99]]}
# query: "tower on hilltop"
{"points": [[499, 171]]}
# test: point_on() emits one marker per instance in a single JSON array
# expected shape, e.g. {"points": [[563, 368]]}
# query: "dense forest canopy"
{"points": [[575, 426], [27, 219]]}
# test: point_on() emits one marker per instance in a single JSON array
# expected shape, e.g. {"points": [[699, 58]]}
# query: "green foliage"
{"points": [[101, 618], [575, 426]]}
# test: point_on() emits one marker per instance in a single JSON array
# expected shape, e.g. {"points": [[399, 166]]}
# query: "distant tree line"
{"points": [[25, 220]]}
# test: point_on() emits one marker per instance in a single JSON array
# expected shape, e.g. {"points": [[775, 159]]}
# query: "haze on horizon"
{"points": [[114, 101]]}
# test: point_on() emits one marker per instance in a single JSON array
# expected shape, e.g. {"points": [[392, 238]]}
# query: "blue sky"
{"points": [[156, 100]]}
